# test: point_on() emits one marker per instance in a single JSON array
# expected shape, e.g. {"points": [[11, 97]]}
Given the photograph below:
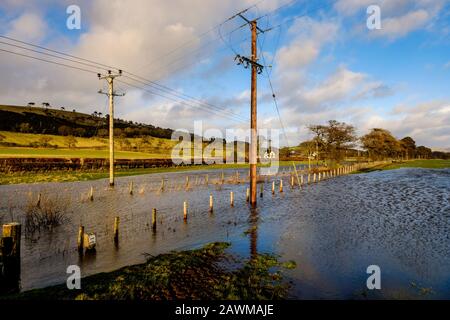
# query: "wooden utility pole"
{"points": [[253, 119], [256, 69], [111, 94]]}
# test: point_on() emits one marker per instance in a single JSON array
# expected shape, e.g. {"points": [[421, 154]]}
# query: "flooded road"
{"points": [[398, 220]]}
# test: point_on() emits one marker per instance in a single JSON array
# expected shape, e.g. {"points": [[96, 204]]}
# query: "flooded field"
{"points": [[398, 220]]}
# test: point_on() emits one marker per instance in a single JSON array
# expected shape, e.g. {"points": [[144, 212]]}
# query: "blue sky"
{"points": [[327, 65]]}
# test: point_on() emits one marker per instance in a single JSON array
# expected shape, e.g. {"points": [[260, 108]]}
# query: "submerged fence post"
{"points": [[281, 185], [232, 198], [292, 181], [10, 252], [273, 187], [211, 204], [80, 239], [38, 203], [185, 210], [154, 219], [14, 231], [116, 229], [91, 194], [131, 188], [247, 197]]}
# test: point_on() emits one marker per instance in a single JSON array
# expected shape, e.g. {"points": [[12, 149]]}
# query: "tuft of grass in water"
{"points": [[46, 214], [208, 273]]}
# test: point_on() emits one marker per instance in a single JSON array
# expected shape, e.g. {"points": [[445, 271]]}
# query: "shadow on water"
{"points": [[398, 220]]}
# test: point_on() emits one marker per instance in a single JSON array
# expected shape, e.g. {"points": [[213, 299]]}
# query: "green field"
{"points": [[13, 152], [430, 164], [426, 164], [94, 147]]}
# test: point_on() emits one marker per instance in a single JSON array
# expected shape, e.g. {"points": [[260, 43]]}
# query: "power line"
{"points": [[50, 55], [58, 52], [181, 102], [183, 45], [178, 94], [44, 60], [154, 84]]}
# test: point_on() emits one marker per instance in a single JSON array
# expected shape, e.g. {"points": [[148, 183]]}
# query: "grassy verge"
{"points": [[427, 164], [71, 176], [204, 273], [15, 152]]}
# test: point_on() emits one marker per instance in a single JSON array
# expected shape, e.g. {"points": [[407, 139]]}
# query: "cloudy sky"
{"points": [[323, 62]]}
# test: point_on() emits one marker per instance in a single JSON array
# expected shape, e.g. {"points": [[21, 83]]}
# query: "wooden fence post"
{"points": [[185, 210], [10, 254], [116, 229], [154, 219], [80, 239], [232, 198], [91, 194], [211, 204], [131, 188], [13, 230], [38, 203]]}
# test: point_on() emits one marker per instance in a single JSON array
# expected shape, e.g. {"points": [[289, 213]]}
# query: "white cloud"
{"points": [[137, 35], [309, 37], [397, 27], [28, 27], [398, 18]]}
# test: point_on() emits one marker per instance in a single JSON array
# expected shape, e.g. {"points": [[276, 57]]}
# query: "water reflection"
{"points": [[399, 220], [253, 234]]}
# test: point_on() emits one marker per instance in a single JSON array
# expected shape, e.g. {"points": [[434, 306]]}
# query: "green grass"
{"points": [[195, 274], [426, 164], [13, 152], [429, 164], [94, 147]]}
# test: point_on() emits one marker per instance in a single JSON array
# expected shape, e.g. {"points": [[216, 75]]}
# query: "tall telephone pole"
{"points": [[111, 94], [256, 69], [253, 119]]}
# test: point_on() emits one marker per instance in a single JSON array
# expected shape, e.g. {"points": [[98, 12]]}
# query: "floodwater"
{"points": [[398, 220]]}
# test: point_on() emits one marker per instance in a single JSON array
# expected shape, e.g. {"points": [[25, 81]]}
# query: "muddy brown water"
{"points": [[398, 220]]}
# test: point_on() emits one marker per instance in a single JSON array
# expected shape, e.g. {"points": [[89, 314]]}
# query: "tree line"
{"points": [[337, 140]]}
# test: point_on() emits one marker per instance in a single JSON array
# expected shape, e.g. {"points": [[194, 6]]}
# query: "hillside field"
{"points": [[94, 147]]}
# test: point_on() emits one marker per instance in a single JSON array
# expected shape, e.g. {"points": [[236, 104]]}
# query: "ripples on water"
{"points": [[399, 220]]}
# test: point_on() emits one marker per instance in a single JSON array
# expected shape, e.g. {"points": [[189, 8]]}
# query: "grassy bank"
{"points": [[195, 274], [427, 164]]}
